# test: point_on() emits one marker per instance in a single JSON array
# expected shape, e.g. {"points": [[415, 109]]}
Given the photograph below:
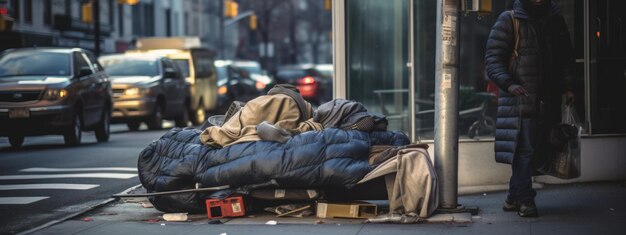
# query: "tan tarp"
{"points": [[411, 182]]}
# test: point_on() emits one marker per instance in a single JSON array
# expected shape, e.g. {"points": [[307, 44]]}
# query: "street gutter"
{"points": [[78, 213]]}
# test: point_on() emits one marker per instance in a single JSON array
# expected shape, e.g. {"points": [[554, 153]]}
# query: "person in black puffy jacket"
{"points": [[531, 87]]}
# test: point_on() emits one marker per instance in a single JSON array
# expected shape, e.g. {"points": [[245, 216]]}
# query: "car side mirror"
{"points": [[84, 71], [170, 73]]}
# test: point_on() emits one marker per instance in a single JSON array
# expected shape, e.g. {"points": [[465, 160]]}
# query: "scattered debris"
{"points": [[162, 224], [87, 219], [293, 210], [175, 216], [146, 205], [271, 222], [223, 233], [319, 222], [611, 209], [484, 194]]}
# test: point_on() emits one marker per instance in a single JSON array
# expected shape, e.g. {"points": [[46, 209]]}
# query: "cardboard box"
{"points": [[360, 210]]}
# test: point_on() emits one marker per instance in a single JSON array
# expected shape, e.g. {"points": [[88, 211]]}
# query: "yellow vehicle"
{"points": [[197, 66]]}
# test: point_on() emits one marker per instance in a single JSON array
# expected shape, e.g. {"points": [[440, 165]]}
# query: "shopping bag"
{"points": [[565, 140]]}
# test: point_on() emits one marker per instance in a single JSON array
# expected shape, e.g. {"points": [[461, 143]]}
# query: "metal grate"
{"points": [[19, 96]]}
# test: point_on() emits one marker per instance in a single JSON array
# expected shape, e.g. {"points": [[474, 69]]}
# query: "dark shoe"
{"points": [[528, 209], [510, 206]]}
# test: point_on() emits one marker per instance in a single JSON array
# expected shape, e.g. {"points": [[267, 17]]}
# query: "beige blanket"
{"points": [[279, 109]]}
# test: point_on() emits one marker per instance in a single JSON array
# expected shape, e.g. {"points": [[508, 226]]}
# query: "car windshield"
{"points": [[221, 73], [325, 71], [290, 74], [183, 64], [121, 66], [35, 63], [252, 69]]}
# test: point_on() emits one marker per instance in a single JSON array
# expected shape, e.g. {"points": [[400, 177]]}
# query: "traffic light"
{"points": [[87, 12], [253, 22], [328, 5], [231, 8], [127, 2]]}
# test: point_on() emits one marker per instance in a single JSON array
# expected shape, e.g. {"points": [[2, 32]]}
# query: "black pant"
{"points": [[520, 184]]}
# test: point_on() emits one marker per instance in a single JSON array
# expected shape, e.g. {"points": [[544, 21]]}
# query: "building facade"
{"points": [[382, 47], [59, 23]]}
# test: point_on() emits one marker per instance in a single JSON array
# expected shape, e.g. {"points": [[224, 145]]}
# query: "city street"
{"points": [[45, 180]]}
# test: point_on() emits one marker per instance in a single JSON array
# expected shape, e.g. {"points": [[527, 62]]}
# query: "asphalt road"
{"points": [[45, 180]]}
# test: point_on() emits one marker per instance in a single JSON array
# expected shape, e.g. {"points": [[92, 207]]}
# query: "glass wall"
{"points": [[607, 83], [425, 13], [377, 54]]}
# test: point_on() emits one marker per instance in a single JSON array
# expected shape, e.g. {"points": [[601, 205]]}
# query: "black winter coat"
{"points": [[314, 159], [543, 69]]}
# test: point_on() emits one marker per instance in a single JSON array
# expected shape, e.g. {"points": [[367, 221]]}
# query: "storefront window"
{"points": [[607, 66], [377, 54], [425, 13], [378, 51], [477, 95]]}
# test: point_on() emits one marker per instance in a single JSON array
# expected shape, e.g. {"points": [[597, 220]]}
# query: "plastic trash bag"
{"points": [[565, 139]]}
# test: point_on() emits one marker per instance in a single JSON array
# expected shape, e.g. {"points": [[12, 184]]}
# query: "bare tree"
{"points": [[319, 21]]}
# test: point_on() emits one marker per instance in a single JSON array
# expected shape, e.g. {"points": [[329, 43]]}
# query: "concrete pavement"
{"points": [[589, 208]]}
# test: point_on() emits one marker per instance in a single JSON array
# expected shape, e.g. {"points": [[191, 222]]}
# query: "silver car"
{"points": [[147, 88]]}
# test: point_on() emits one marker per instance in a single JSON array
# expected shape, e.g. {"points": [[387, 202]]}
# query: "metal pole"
{"points": [[221, 29], [446, 101], [587, 65], [96, 28], [411, 65]]}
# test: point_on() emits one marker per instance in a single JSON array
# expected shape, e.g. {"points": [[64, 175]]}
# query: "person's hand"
{"points": [[517, 90], [569, 97]]}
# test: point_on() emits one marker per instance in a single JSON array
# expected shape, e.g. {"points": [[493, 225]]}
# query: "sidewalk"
{"points": [[590, 208]]}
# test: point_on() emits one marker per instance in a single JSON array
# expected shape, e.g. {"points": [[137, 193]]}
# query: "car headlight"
{"points": [[55, 94], [135, 91], [222, 90]]}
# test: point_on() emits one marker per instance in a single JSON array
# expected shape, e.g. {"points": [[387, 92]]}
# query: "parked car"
{"points": [[255, 72], [234, 85], [147, 88], [53, 91], [314, 86], [197, 66]]}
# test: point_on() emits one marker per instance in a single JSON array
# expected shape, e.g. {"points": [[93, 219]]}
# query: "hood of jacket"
{"points": [[522, 13]]}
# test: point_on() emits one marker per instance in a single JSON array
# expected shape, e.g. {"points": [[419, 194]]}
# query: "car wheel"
{"points": [[156, 121], [103, 132], [74, 135], [16, 141], [199, 115], [133, 125], [183, 120]]}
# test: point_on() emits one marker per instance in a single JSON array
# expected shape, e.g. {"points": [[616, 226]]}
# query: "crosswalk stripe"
{"points": [[48, 186], [57, 176], [20, 200], [45, 169]]}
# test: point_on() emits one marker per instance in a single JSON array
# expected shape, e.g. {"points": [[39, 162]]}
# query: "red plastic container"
{"points": [[229, 207]]}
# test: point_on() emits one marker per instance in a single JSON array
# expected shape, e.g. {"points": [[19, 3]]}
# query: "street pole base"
{"points": [[460, 209]]}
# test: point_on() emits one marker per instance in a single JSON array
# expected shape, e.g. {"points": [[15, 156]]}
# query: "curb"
{"points": [[78, 213], [479, 189]]}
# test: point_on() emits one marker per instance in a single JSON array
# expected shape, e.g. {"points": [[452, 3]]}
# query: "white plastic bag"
{"points": [[565, 164]]}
